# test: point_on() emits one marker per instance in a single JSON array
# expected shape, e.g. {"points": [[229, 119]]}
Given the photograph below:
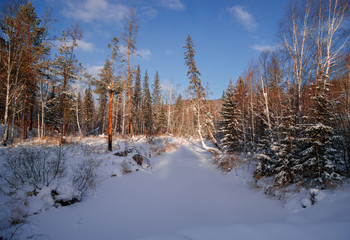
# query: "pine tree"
{"points": [[88, 110], [108, 82], [146, 107]]}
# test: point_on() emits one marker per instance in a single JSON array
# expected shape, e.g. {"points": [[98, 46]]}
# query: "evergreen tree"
{"points": [[146, 107], [233, 113], [197, 91], [156, 100], [162, 120], [102, 112], [53, 114], [137, 100], [195, 88], [320, 159], [88, 110], [228, 128], [178, 115]]}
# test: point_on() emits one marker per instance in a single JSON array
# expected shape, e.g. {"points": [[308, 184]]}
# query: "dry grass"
{"points": [[166, 147], [227, 162]]}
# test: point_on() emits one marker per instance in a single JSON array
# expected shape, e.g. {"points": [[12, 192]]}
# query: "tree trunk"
{"points": [[25, 117], [110, 110], [77, 114], [30, 120], [7, 100], [212, 138]]}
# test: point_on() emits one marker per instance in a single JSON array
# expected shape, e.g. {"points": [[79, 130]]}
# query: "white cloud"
{"points": [[90, 10], [173, 4], [261, 47], [243, 16], [141, 53], [94, 70], [82, 45], [148, 12], [169, 52], [85, 46]]}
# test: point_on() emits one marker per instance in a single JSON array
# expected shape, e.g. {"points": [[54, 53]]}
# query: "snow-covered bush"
{"points": [[34, 166], [84, 176]]}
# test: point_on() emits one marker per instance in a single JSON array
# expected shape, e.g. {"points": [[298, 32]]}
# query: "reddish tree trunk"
{"points": [[110, 110]]}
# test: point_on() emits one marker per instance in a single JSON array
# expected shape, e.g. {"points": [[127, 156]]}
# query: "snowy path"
{"points": [[183, 198]]}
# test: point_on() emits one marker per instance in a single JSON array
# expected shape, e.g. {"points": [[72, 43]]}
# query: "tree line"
{"points": [[291, 107], [45, 90]]}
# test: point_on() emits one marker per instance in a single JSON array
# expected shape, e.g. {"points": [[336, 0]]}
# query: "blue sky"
{"points": [[227, 34]]}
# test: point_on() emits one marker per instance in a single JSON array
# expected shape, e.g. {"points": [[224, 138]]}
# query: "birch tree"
{"points": [[66, 66]]}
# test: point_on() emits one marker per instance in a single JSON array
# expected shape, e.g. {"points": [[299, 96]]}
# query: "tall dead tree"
{"points": [[129, 38]]}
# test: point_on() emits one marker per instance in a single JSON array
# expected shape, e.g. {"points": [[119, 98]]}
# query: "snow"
{"points": [[183, 197]]}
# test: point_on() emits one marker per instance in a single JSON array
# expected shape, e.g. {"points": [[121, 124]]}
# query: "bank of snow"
{"points": [[184, 197]]}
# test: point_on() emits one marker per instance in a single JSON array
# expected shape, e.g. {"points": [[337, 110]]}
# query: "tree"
{"points": [[320, 158], [21, 45], [137, 100], [178, 115], [156, 102], [296, 37], [108, 83], [88, 110], [146, 106], [161, 120], [228, 126], [196, 90], [129, 38], [66, 65], [102, 112]]}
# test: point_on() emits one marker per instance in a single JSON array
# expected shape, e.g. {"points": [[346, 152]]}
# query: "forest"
{"points": [[289, 110]]}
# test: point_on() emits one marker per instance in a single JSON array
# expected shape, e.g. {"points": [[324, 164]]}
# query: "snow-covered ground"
{"points": [[184, 196]]}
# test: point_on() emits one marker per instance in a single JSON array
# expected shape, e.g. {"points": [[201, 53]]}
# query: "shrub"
{"points": [[37, 167]]}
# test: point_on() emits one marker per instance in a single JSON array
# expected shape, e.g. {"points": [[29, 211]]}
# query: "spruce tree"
{"points": [[102, 112], [178, 115], [320, 159], [146, 106], [195, 88], [162, 119], [228, 128], [156, 100], [137, 98]]}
